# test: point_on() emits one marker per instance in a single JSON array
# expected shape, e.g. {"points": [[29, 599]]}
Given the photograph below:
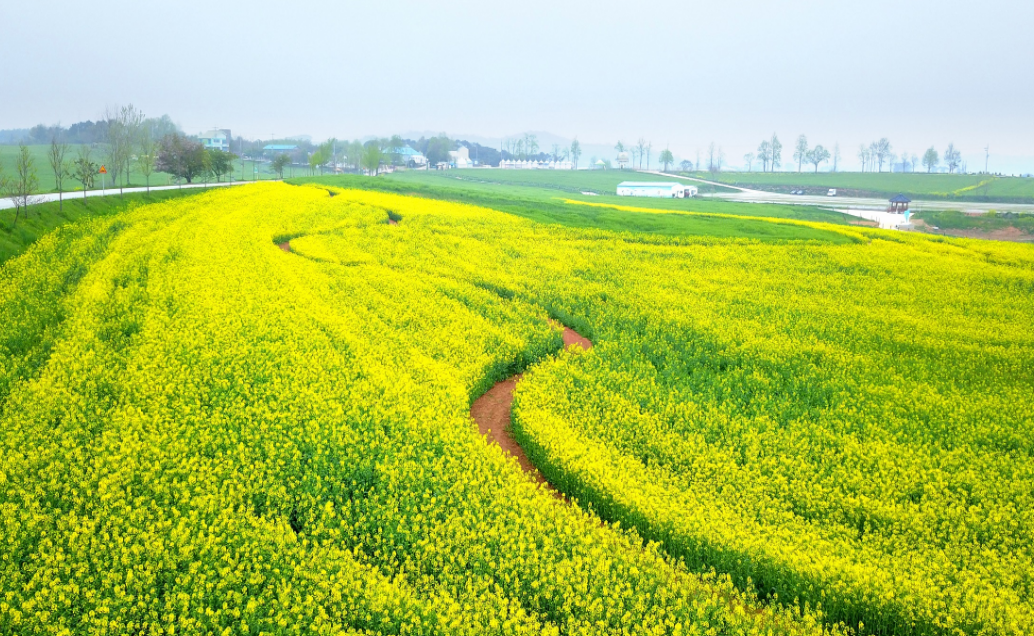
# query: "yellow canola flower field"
{"points": [[200, 433]]}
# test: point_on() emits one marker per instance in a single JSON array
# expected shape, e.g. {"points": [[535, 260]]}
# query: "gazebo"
{"points": [[899, 204]]}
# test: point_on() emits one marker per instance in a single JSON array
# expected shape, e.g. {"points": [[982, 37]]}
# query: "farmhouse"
{"points": [[663, 189], [411, 156], [216, 139]]}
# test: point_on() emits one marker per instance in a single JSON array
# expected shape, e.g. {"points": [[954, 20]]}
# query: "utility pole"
{"points": [[987, 155]]}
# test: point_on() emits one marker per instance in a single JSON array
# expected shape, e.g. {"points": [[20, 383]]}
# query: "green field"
{"points": [[961, 187], [542, 197], [601, 182], [8, 155]]}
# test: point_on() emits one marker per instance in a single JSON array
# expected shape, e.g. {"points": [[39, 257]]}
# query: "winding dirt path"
{"points": [[492, 412]]}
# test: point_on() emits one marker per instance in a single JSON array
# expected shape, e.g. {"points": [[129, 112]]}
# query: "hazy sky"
{"points": [[679, 73]]}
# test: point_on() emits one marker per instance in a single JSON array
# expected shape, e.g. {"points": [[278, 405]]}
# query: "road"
{"points": [[847, 205], [53, 196]]}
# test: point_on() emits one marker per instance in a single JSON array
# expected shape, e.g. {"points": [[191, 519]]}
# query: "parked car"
{"points": [[832, 192]]}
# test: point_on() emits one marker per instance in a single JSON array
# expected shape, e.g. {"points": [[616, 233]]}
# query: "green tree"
{"points": [[56, 156], [84, 170], [315, 160], [765, 154], [355, 154], [800, 153], [372, 157], [666, 158], [395, 146], [931, 159], [279, 163], [438, 149], [576, 153], [220, 163], [818, 155]]}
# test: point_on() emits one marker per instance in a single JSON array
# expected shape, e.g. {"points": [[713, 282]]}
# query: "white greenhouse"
{"points": [[662, 189]]}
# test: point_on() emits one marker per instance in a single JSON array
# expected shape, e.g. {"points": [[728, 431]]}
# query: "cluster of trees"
{"points": [[640, 151], [952, 158], [188, 159], [94, 132], [816, 156], [526, 148], [770, 154], [875, 155]]}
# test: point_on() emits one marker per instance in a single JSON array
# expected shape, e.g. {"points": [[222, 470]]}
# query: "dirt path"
{"points": [[286, 246], [492, 411]]}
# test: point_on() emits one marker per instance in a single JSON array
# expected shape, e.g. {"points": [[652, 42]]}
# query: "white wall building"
{"points": [[661, 189], [510, 164], [460, 158], [216, 139]]}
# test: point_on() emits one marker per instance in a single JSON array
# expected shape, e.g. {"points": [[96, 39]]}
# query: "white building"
{"points": [[662, 189], [410, 156], [216, 139], [510, 164], [460, 158]]}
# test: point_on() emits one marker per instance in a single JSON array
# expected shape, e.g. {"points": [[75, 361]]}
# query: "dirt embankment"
{"points": [[492, 413], [1011, 233]]}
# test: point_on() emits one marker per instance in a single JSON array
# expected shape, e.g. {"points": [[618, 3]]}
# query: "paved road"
{"points": [[53, 196], [847, 204]]}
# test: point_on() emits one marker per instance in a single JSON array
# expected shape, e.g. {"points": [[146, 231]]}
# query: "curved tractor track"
{"points": [[493, 411]]}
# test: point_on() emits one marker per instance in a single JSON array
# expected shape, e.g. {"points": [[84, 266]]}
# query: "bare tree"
{"points": [[24, 184], [953, 158], [147, 154], [576, 153], [56, 157], [123, 130], [749, 160], [987, 156], [531, 145], [883, 152], [836, 156], [800, 153], [640, 147], [715, 158], [649, 149], [777, 153]]}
